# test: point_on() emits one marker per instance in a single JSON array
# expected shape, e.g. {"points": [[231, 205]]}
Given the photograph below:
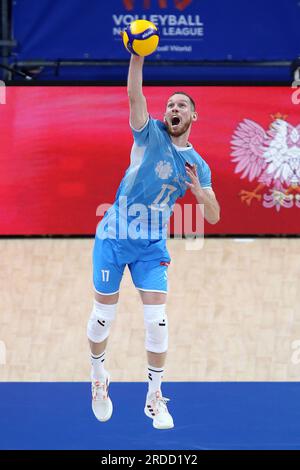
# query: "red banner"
{"points": [[64, 151]]}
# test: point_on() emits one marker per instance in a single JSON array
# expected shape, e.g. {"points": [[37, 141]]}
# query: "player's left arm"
{"points": [[205, 196]]}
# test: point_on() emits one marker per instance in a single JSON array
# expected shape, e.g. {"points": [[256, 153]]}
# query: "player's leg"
{"points": [[156, 359], [107, 275], [150, 277], [103, 314], [156, 343]]}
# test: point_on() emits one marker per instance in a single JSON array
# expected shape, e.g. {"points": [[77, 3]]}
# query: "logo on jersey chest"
{"points": [[164, 169]]}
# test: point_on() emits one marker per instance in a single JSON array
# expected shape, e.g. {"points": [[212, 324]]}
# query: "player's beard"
{"points": [[181, 129]]}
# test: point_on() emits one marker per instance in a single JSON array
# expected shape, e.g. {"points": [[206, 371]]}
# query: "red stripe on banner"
{"points": [[64, 151]]}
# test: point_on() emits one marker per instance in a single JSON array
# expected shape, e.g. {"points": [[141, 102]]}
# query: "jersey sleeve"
{"points": [[204, 176], [141, 136], [151, 131]]}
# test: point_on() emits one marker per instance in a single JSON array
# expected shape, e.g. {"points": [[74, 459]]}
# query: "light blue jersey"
{"points": [[152, 183], [133, 231]]}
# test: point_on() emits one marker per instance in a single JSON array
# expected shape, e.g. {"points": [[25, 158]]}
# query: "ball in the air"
{"points": [[141, 37]]}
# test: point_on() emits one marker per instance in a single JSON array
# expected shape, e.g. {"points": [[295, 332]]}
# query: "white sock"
{"points": [[98, 370], [155, 375]]}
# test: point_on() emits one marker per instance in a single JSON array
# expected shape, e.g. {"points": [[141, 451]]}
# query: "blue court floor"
{"points": [[211, 415]]}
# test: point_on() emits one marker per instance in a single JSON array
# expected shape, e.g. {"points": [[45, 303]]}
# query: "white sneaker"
{"points": [[101, 403], [156, 408]]}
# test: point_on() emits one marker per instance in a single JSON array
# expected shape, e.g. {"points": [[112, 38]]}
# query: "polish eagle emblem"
{"points": [[272, 158], [163, 169]]}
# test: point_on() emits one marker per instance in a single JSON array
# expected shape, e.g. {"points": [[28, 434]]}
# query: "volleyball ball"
{"points": [[141, 37]]}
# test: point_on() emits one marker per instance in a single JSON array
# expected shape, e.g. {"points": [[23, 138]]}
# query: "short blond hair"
{"points": [[193, 104]]}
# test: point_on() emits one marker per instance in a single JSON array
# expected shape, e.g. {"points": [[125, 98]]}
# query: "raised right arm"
{"points": [[137, 101]]}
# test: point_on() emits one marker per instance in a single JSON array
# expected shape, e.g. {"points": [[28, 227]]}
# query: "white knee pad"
{"points": [[156, 324], [100, 321]]}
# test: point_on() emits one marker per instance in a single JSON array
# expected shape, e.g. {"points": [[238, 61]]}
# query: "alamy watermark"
{"points": [[137, 221], [2, 353], [2, 92]]}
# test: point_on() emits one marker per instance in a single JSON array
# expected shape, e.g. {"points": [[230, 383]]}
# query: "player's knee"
{"points": [[156, 324], [100, 321]]}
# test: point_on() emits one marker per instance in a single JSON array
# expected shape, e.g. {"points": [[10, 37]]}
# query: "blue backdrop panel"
{"points": [[190, 29], [174, 74], [207, 416]]}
